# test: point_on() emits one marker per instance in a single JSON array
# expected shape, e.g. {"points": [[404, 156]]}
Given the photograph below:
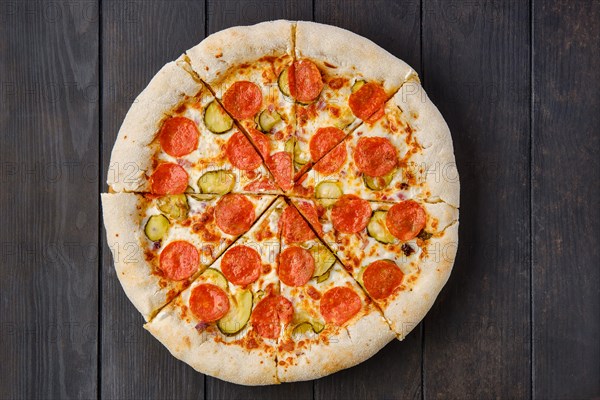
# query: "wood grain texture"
{"points": [[138, 39], [221, 15], [48, 168], [477, 70], [396, 371], [566, 196], [521, 239]]}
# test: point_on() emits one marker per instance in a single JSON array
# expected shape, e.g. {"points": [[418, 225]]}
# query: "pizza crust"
{"points": [[235, 364], [351, 346], [122, 223], [215, 55], [410, 307], [225, 361], [131, 155], [351, 52], [433, 134]]}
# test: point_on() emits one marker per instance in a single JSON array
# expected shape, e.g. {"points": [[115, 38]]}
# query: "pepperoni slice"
{"points": [[179, 260], [260, 141], [333, 161], [178, 136], [168, 178], [241, 265], [296, 266], [375, 156], [350, 214], [269, 314], [208, 302], [234, 214], [381, 278], [339, 304], [243, 99], [281, 166], [324, 140], [367, 100], [309, 212], [405, 220], [305, 81], [376, 116], [294, 228], [241, 153]]}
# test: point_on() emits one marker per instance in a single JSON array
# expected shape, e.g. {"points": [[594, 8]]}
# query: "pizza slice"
{"points": [[401, 253], [176, 138], [228, 321], [337, 83], [245, 77], [160, 244], [406, 153], [334, 324]]}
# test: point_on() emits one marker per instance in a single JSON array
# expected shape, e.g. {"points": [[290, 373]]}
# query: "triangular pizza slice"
{"points": [[401, 253], [339, 79], [228, 321], [176, 138], [335, 325], [245, 77], [160, 244], [405, 153]]}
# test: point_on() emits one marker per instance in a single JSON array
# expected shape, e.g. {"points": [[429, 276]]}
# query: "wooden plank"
{"points": [[566, 220], [139, 37], [224, 14], [477, 70], [396, 371], [49, 199]]}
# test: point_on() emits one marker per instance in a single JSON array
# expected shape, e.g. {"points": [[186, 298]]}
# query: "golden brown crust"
{"points": [[350, 346], [352, 53], [131, 157], [433, 134], [218, 53], [122, 219], [408, 309]]}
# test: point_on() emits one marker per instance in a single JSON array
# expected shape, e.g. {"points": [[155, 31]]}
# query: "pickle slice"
{"points": [[268, 119], [216, 119], [217, 182], [289, 146], [301, 156], [328, 190], [156, 227], [283, 82], [317, 326], [327, 203], [378, 182], [238, 315], [302, 329], [215, 277], [357, 85], [377, 228], [307, 328], [174, 206], [324, 260], [323, 277]]}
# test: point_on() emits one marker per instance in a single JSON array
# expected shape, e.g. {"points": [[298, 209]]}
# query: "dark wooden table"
{"points": [[518, 83]]}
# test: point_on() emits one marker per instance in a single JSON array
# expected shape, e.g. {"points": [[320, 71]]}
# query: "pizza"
{"points": [[283, 202]]}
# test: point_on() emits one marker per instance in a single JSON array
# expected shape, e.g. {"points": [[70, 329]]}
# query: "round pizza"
{"points": [[283, 202]]}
